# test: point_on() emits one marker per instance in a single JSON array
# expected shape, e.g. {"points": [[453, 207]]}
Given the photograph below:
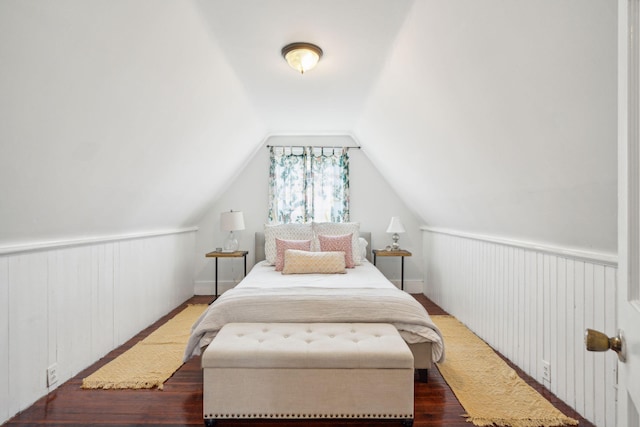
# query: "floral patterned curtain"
{"points": [[311, 184]]}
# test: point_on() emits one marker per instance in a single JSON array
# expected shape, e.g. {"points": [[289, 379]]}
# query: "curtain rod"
{"points": [[357, 147]]}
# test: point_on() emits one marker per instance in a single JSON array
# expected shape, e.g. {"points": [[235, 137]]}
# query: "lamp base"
{"points": [[395, 246], [230, 243]]}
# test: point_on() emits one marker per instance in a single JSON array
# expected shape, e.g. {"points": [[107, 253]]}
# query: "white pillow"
{"points": [[293, 231], [336, 229], [362, 244]]}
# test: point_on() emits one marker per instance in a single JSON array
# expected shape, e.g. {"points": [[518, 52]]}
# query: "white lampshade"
{"points": [[395, 226], [231, 221]]}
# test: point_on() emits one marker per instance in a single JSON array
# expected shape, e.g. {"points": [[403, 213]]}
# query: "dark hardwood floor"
{"points": [[180, 403]]}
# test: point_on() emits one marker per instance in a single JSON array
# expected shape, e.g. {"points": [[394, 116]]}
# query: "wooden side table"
{"points": [[400, 252], [236, 254]]}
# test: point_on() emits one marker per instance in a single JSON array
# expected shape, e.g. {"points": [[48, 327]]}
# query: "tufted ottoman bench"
{"points": [[308, 370]]}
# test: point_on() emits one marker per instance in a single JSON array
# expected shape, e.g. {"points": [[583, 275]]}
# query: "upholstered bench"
{"points": [[308, 370]]}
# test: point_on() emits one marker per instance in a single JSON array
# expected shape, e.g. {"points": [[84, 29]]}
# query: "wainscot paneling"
{"points": [[532, 304], [4, 338], [72, 303]]}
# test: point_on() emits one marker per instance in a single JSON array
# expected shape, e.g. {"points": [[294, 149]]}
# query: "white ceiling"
{"points": [[488, 116], [356, 37]]}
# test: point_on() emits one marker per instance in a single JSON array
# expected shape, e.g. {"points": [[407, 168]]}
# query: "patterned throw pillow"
{"points": [[303, 262], [338, 229], [285, 232], [283, 245], [338, 244]]}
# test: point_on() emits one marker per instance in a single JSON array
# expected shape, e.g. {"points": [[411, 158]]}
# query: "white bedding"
{"points": [[363, 294], [263, 275]]}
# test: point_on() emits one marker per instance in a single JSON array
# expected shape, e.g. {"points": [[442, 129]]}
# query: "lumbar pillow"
{"points": [[340, 244], [283, 245], [303, 262]]}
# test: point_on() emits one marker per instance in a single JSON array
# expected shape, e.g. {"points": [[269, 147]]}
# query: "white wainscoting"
{"points": [[532, 303], [72, 304]]}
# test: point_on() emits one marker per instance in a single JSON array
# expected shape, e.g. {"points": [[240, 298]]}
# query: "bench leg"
{"points": [[407, 422], [422, 375], [210, 422]]}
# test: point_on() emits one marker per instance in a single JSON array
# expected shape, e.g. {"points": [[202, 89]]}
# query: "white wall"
{"points": [[108, 113], [499, 117], [373, 203], [531, 304], [73, 304]]}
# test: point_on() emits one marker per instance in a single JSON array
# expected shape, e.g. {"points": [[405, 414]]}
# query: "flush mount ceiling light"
{"points": [[302, 56]]}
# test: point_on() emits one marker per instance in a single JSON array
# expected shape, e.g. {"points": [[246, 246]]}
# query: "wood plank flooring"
{"points": [[180, 403]]}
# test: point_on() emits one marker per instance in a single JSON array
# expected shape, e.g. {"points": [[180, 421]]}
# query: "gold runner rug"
{"points": [[153, 360], [488, 389]]}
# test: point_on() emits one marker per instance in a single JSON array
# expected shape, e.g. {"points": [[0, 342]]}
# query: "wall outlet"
{"points": [[52, 375], [546, 371]]}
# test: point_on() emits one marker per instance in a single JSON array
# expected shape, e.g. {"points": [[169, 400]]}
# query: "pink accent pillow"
{"points": [[283, 245], [338, 244]]}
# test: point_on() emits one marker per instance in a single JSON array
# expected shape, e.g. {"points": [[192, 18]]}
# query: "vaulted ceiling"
{"points": [[488, 116]]}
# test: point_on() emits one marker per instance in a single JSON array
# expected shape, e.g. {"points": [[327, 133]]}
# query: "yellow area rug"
{"points": [[153, 360], [488, 389]]}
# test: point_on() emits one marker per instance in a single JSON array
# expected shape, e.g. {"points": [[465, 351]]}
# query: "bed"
{"points": [[361, 295]]}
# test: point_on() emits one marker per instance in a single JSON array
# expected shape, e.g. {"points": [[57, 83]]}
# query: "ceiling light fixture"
{"points": [[302, 56]]}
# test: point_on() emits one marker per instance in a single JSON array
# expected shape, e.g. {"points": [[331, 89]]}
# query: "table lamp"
{"points": [[395, 227], [231, 221]]}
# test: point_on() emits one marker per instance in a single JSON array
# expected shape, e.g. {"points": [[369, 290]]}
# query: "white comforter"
{"points": [[263, 275], [360, 296]]}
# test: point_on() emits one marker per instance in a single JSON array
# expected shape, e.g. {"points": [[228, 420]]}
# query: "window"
{"points": [[308, 184]]}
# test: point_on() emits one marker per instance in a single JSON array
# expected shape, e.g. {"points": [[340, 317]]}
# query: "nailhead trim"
{"points": [[308, 416]]}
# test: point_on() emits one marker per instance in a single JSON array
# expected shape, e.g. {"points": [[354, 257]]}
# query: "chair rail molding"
{"points": [[68, 243], [602, 258]]}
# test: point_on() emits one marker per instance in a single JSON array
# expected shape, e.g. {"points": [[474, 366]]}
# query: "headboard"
{"points": [[259, 245]]}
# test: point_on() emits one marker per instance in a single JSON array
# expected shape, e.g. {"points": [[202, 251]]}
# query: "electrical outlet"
{"points": [[546, 371], [52, 375]]}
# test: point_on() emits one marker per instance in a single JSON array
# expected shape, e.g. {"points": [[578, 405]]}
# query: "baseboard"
{"points": [[410, 286], [208, 287]]}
